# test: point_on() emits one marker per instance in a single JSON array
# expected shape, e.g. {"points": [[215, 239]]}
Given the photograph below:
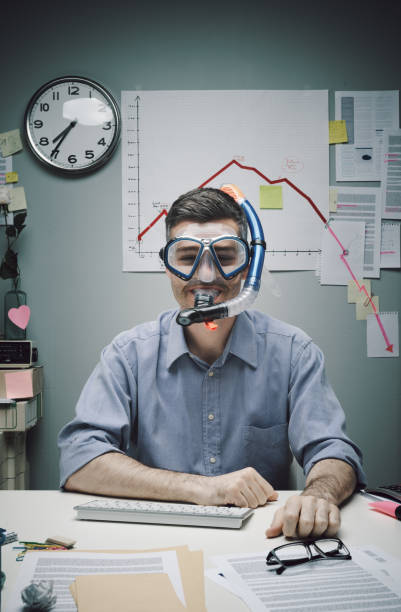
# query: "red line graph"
{"points": [[283, 180], [361, 288], [159, 216]]}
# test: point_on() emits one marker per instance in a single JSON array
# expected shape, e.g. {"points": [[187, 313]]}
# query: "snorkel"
{"points": [[202, 313]]}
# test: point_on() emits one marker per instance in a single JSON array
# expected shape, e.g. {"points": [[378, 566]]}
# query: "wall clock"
{"points": [[72, 124]]}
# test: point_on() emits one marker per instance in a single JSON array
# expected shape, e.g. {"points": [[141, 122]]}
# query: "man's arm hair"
{"points": [[117, 475], [331, 479]]}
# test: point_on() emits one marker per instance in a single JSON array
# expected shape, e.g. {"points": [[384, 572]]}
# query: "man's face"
{"points": [[206, 276]]}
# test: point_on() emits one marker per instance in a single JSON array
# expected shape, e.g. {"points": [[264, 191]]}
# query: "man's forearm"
{"points": [[118, 475], [331, 479]]}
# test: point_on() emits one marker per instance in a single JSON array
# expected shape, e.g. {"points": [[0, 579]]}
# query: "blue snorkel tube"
{"points": [[251, 286]]}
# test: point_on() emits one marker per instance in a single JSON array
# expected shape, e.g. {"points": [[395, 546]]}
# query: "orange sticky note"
{"points": [[18, 384]]}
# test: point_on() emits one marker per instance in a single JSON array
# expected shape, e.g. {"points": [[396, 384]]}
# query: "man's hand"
{"points": [[244, 488], [315, 512], [305, 515]]}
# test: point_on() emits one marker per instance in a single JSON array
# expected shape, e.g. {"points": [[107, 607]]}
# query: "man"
{"points": [[209, 416]]}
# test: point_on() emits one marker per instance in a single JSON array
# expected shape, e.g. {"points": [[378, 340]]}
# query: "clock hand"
{"points": [[65, 131], [61, 137]]}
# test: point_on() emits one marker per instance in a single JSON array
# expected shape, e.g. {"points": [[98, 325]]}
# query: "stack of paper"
{"points": [[370, 580], [171, 580]]}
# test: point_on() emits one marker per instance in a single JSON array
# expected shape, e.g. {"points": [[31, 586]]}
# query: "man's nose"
{"points": [[207, 271]]}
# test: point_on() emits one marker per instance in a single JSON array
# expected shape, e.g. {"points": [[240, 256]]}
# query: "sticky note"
{"points": [[333, 199], [18, 200], [10, 142], [18, 384], [354, 295], [337, 132], [11, 177], [364, 307], [271, 196]]}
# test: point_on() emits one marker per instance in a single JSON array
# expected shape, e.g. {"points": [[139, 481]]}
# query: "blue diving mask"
{"points": [[183, 255]]}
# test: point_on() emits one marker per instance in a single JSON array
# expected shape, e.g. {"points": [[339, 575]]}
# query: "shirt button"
{"points": [[210, 417], [212, 459], [211, 373]]}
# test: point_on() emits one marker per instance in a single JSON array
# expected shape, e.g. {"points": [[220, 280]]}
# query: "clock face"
{"points": [[72, 124]]}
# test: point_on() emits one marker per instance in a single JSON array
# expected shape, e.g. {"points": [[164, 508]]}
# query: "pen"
{"points": [[387, 507]]}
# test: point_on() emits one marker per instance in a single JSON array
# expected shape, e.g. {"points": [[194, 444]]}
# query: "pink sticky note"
{"points": [[387, 507], [18, 384]]}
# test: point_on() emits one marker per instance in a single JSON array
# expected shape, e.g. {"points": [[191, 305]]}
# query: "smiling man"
{"points": [[213, 417]]}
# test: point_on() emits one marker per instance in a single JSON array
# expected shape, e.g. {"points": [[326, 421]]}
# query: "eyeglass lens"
{"points": [[231, 254], [305, 550]]}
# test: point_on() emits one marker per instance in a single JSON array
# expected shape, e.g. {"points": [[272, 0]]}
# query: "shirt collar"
{"points": [[241, 342]]}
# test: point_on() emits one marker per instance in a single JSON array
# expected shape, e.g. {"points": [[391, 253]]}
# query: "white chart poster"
{"points": [[174, 141], [367, 114]]}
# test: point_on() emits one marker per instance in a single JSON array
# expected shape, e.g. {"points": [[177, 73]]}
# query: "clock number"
{"points": [[56, 95], [44, 141], [102, 142], [107, 126], [73, 90], [38, 123], [72, 159], [44, 107], [89, 154]]}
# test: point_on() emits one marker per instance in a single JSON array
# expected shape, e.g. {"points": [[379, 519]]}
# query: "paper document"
{"points": [[380, 337], [391, 175], [6, 165], [367, 114], [390, 245], [174, 141], [336, 266], [363, 204], [365, 582], [63, 568]]}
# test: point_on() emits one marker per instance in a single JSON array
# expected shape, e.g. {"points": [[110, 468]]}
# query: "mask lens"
{"points": [[231, 254], [182, 255]]}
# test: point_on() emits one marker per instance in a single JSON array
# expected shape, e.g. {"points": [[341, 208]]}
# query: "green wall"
{"points": [[70, 252]]}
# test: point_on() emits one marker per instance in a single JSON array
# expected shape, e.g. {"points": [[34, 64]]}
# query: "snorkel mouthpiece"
{"points": [[204, 312]]}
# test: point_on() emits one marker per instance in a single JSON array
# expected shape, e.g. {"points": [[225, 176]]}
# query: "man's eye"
{"points": [[186, 259]]}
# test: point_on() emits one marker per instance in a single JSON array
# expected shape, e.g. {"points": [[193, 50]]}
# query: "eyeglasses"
{"points": [[182, 255], [296, 553]]}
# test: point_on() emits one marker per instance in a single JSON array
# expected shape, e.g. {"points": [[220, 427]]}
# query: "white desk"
{"points": [[36, 515]]}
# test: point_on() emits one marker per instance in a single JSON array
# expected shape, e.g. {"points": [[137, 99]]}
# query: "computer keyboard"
{"points": [[139, 511]]}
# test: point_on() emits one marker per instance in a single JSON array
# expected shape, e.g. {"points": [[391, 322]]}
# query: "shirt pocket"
{"points": [[267, 450]]}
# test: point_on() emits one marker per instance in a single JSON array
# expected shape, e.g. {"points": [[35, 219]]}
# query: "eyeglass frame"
{"points": [[321, 555], [205, 243]]}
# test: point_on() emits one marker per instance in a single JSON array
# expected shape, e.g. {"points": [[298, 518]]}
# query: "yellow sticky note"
{"points": [[18, 200], [364, 307], [337, 132], [333, 199], [11, 177], [354, 295], [271, 196]]}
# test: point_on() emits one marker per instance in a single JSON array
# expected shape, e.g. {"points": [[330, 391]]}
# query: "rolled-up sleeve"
{"points": [[104, 414], [316, 420]]}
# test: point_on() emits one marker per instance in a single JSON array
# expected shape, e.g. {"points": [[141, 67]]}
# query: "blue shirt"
{"points": [[266, 396]]}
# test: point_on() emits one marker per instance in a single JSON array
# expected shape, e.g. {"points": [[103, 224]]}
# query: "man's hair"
{"points": [[203, 205]]}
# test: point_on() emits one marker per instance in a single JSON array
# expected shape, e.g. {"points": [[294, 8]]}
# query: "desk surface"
{"points": [[36, 515]]}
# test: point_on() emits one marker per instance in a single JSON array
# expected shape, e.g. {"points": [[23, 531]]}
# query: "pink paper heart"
{"points": [[20, 316]]}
